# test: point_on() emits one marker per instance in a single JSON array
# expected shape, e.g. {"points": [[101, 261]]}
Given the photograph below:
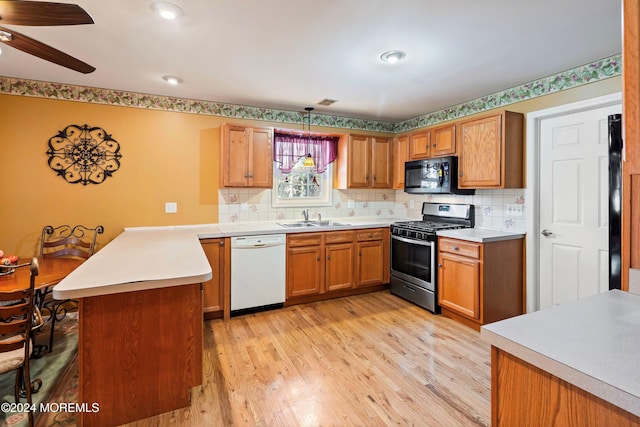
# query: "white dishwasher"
{"points": [[258, 265]]}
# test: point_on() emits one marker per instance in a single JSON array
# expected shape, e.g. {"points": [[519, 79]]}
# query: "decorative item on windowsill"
{"points": [[7, 263], [308, 161]]}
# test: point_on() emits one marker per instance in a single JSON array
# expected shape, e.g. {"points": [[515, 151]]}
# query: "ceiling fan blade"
{"points": [[41, 50], [16, 12]]}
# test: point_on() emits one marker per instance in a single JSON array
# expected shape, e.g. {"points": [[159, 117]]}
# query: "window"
{"points": [[302, 187], [298, 185]]}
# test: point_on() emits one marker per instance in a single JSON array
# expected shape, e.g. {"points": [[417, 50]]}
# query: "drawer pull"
{"points": [[455, 248]]}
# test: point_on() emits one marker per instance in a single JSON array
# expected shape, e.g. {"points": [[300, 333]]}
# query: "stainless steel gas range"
{"points": [[414, 251]]}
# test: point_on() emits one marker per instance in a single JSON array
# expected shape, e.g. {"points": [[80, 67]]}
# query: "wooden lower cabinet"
{"points": [[372, 262], [305, 275], [480, 283], [217, 296], [339, 266], [525, 395], [336, 263]]}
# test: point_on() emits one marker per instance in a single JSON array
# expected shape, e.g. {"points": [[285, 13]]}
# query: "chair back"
{"points": [[17, 312], [78, 241]]}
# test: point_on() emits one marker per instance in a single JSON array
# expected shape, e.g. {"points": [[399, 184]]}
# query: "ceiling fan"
{"points": [[39, 13]]}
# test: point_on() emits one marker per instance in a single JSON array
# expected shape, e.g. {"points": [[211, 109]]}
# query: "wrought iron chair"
{"points": [[17, 318], [64, 241]]}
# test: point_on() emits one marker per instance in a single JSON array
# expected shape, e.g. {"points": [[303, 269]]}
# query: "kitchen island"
{"points": [[140, 325], [572, 364]]}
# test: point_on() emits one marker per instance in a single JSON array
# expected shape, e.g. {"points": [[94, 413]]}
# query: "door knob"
{"points": [[546, 233]]}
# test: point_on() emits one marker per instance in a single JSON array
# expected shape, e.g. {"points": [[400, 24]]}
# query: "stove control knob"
{"points": [[419, 236]]}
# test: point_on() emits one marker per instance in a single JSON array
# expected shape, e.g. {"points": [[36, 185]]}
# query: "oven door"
{"points": [[413, 261]]}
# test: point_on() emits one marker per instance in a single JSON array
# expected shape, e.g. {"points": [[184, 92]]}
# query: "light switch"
{"points": [[170, 207]]}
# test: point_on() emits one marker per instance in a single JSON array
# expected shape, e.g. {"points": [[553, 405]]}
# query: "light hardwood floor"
{"points": [[365, 360]]}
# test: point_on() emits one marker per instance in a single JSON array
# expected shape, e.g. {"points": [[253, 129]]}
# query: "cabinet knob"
{"points": [[328, 256], [434, 145], [370, 234], [221, 242], [455, 248], [359, 253], [318, 258], [459, 173], [374, 177], [440, 265]]}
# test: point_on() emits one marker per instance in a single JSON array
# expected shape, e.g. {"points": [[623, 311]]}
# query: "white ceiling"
{"points": [[290, 54]]}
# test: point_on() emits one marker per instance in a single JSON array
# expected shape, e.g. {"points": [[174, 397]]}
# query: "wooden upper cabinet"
{"points": [[443, 141], [246, 156], [381, 162], [359, 160], [364, 161], [491, 151], [400, 156], [419, 145]]}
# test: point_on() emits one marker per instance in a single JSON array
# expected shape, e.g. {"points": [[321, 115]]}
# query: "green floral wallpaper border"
{"points": [[589, 73]]}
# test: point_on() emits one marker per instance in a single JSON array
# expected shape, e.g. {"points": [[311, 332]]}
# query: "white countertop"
{"points": [[139, 260], [593, 343], [143, 258], [480, 235]]}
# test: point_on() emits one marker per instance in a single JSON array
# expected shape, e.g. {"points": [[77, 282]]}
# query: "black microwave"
{"points": [[433, 176]]}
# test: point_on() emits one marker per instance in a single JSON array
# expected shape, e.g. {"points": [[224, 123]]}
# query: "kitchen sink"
{"points": [[329, 223], [302, 224]]}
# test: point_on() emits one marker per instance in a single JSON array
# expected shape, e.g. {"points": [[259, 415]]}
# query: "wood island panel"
{"points": [[140, 353], [525, 395]]}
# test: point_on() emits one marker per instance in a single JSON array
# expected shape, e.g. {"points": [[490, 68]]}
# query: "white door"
{"points": [[574, 242]]}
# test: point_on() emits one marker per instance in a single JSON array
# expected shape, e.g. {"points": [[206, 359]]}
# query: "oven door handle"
{"points": [[412, 241]]}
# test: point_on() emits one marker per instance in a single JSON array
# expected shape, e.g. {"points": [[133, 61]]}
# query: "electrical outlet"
{"points": [[411, 204], [170, 207], [514, 210], [351, 203]]}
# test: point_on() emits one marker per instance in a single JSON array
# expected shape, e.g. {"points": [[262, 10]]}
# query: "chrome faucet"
{"points": [[305, 214], [319, 217]]}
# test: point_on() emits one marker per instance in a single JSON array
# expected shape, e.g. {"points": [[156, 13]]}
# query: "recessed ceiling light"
{"points": [[167, 10], [172, 80], [393, 56]]}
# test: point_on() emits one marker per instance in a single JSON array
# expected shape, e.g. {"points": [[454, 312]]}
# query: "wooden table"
{"points": [[52, 271]]}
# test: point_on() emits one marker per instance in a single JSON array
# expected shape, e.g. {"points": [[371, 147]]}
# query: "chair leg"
{"points": [[54, 310]]}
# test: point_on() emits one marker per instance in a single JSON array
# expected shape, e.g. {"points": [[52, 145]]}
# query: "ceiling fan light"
{"points": [[172, 80], [167, 10], [5, 36], [393, 56]]}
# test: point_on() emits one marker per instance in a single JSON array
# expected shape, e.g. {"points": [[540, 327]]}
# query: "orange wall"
{"points": [[166, 157]]}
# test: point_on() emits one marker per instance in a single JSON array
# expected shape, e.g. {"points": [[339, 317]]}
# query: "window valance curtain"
{"points": [[290, 146]]}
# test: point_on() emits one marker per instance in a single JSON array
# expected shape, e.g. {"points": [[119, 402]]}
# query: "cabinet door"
{"points": [[370, 263], [419, 145], [235, 156], [400, 156], [214, 289], [359, 160], [443, 141], [304, 271], [339, 266], [480, 163], [381, 162], [261, 160], [459, 284]]}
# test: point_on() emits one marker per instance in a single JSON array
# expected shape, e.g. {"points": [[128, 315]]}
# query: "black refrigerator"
{"points": [[615, 201]]}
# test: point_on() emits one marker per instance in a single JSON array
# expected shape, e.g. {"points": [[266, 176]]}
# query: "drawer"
{"points": [[371, 234], [460, 247], [338, 237], [304, 239]]}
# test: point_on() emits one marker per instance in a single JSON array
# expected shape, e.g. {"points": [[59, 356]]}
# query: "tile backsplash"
{"points": [[494, 209]]}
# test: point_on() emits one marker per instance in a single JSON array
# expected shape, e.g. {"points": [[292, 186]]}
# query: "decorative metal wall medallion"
{"points": [[84, 154]]}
